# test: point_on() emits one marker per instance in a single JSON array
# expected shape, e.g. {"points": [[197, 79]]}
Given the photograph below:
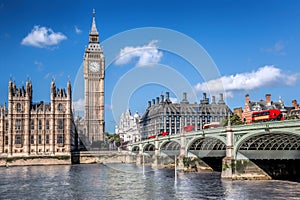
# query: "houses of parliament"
{"points": [[28, 128]]}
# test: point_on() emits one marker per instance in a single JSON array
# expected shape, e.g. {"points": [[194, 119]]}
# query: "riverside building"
{"points": [[30, 129], [129, 127], [162, 115]]}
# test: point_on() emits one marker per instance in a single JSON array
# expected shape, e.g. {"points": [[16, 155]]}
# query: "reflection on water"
{"points": [[119, 181]]}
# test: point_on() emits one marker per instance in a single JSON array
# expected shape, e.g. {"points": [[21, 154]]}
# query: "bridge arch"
{"points": [[148, 147], [135, 149], [269, 145], [170, 147], [207, 147]]}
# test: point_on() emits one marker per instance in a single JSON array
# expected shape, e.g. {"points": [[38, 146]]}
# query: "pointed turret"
{"points": [[69, 88], [94, 28], [53, 89], [94, 36]]}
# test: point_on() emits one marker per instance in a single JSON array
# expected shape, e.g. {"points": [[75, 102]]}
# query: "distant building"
{"points": [[163, 116], [267, 104], [295, 109], [28, 128], [238, 112], [129, 127]]}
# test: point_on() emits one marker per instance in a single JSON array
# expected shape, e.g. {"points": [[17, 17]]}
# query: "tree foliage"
{"points": [[234, 120], [291, 117], [113, 138]]}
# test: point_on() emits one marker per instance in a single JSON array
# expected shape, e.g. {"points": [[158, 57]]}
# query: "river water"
{"points": [[124, 181]]}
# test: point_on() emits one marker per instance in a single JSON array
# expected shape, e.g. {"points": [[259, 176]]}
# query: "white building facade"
{"points": [[129, 127]]}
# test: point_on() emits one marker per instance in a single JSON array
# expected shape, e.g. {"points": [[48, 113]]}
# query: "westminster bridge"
{"points": [[257, 151]]}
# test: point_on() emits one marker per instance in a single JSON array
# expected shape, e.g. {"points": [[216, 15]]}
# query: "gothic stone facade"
{"points": [[164, 116], [31, 129]]}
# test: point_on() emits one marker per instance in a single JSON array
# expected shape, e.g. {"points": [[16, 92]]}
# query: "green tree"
{"points": [[291, 117], [234, 120], [113, 138]]}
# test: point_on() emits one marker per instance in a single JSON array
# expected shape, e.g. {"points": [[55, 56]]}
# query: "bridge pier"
{"points": [[241, 168], [139, 157], [183, 152], [155, 157]]}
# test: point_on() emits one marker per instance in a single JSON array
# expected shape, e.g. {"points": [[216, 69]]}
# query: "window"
{"points": [[60, 124], [32, 139], [32, 124], [40, 124], [47, 124], [18, 139], [60, 107], [19, 107], [40, 139], [18, 125], [6, 125], [60, 139], [6, 140], [47, 139]]}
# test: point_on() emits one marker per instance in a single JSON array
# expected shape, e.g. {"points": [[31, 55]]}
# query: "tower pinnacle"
{"points": [[94, 29]]}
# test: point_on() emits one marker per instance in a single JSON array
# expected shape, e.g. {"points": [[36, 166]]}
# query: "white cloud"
{"points": [[39, 65], [264, 76], [43, 37], [77, 30], [78, 105], [147, 54], [173, 99], [277, 49], [47, 75]]}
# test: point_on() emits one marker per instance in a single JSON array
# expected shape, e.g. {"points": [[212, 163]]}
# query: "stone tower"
{"points": [[94, 86], [19, 105]]}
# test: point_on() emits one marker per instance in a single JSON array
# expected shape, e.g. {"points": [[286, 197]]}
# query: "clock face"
{"points": [[94, 67]]}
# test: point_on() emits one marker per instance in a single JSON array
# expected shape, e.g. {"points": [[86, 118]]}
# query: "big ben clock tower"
{"points": [[94, 87]]}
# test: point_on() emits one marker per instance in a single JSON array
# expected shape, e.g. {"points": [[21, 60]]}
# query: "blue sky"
{"points": [[254, 45]]}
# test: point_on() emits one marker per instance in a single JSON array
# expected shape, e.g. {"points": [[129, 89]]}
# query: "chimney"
{"points": [[157, 100], [213, 99], [295, 104], [247, 98], [153, 101], [149, 104], [268, 98], [204, 96], [167, 95], [162, 98], [184, 96], [221, 100]]}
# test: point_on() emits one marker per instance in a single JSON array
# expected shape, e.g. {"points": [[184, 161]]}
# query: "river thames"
{"points": [[125, 181]]}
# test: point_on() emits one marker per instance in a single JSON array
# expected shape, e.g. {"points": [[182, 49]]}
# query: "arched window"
{"points": [[47, 125], [19, 107], [40, 124], [60, 124], [60, 107], [32, 124]]}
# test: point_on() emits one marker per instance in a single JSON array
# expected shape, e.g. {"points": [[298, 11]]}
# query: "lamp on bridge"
{"points": [[267, 129]]}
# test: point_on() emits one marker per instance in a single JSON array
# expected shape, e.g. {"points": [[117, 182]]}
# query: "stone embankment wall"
{"points": [[86, 157], [35, 160], [102, 157]]}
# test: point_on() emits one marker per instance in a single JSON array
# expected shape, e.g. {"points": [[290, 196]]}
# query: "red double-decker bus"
{"points": [[161, 134], [267, 115]]}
